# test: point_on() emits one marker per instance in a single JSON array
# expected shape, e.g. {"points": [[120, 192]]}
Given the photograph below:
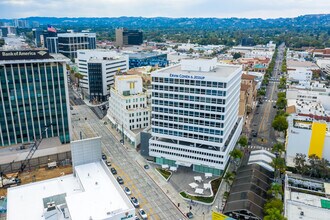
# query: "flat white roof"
{"points": [[93, 193]]}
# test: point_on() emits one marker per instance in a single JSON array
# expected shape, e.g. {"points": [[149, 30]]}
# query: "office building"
{"points": [[128, 109], [147, 59], [92, 192], [99, 68], [195, 114], [34, 93], [50, 40], [125, 37], [69, 43], [37, 36]]}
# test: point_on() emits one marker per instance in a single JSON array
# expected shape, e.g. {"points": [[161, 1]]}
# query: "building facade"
{"points": [[125, 37], [195, 119], [147, 59], [69, 43], [34, 93], [128, 109], [99, 68]]}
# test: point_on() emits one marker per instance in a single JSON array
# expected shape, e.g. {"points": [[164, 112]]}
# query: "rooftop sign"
{"points": [[24, 55], [183, 76]]}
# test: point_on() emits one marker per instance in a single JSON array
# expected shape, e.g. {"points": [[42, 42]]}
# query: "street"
{"points": [[265, 113], [150, 196]]}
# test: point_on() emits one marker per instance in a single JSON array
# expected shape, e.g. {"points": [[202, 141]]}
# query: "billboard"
{"points": [[24, 54]]}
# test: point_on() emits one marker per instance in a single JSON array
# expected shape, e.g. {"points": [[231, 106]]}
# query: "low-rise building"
{"points": [[307, 136], [147, 59], [128, 110], [305, 198]]}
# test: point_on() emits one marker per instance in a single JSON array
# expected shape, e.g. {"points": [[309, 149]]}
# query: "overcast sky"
{"points": [[166, 8]]}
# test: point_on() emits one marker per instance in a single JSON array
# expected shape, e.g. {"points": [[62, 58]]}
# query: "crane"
{"points": [[7, 181]]}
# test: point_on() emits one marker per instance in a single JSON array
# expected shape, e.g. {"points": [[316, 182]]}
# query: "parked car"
{"points": [[135, 202], [104, 157], [127, 190], [143, 214], [137, 218], [146, 166], [113, 171], [108, 163], [190, 215], [120, 180], [254, 134]]}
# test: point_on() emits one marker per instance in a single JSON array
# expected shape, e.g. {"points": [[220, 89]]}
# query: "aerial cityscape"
{"points": [[170, 110]]}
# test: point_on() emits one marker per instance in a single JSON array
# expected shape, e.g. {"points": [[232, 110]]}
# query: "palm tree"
{"points": [[278, 148], [228, 178], [275, 190], [236, 155], [79, 76], [279, 165], [243, 142]]}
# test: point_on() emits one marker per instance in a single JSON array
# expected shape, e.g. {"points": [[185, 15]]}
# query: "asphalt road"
{"points": [[150, 196], [265, 113]]}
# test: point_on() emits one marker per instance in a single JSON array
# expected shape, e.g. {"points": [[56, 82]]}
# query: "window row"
{"points": [[186, 135], [188, 113], [188, 120], [188, 98], [189, 82], [189, 106], [189, 90], [187, 150], [188, 156], [187, 128]]}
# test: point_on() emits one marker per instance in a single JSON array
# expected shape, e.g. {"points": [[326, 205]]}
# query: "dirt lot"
{"points": [[40, 174]]}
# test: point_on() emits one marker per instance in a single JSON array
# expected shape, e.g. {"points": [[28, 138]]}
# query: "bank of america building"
{"points": [[195, 119], [34, 93]]}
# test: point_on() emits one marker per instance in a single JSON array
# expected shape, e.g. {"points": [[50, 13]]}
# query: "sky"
{"points": [[164, 8]]}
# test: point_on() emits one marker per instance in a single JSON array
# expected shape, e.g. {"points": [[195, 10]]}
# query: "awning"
{"points": [[198, 178], [173, 169], [207, 186], [199, 191], [165, 166], [181, 163], [208, 175]]}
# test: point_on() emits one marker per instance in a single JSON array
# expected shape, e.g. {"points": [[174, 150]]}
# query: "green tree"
{"points": [[79, 76], [278, 147], [281, 103], [237, 55], [279, 166], [243, 141], [281, 95], [275, 191], [273, 203], [300, 163], [229, 178], [280, 123], [274, 214], [236, 155]]}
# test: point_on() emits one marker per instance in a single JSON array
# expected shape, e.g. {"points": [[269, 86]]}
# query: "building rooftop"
{"points": [[143, 55], [76, 34], [92, 194], [219, 70]]}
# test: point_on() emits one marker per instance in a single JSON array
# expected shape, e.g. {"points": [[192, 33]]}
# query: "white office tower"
{"points": [[128, 108], [195, 114], [99, 68]]}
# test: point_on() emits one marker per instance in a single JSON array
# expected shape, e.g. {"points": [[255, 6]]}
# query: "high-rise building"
{"points": [[128, 109], [99, 68], [125, 37], [195, 114], [36, 36], [50, 40], [34, 93], [69, 43]]}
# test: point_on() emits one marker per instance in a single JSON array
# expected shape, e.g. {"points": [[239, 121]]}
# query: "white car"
{"points": [[143, 214], [127, 190]]}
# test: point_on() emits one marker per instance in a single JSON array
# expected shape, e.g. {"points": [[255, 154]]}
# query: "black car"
{"points": [[104, 157], [254, 134], [146, 166], [120, 180], [113, 171], [190, 215]]}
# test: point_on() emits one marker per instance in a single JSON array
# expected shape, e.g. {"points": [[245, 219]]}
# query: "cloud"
{"points": [[168, 8]]}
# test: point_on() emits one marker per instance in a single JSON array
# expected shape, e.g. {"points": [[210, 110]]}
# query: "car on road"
{"points": [[137, 218], [135, 202], [146, 166], [113, 171], [108, 163], [274, 106], [104, 157], [254, 134], [120, 180], [190, 215], [127, 190], [143, 214]]}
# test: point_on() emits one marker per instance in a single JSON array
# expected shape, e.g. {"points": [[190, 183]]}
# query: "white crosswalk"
{"points": [[268, 100], [257, 147]]}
